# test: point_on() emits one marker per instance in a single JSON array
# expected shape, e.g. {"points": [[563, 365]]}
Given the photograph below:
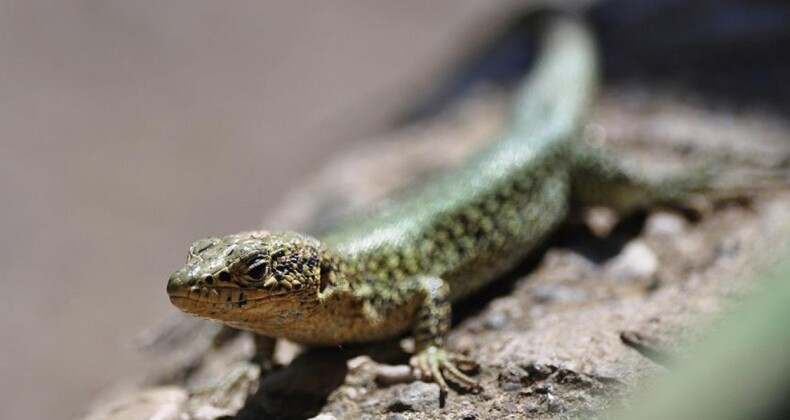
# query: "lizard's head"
{"points": [[250, 277]]}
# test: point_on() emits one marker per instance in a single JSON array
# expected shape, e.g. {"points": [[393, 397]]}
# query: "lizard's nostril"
{"points": [[209, 279], [191, 281], [224, 276]]}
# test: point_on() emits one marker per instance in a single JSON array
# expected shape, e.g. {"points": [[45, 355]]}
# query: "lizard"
{"points": [[402, 268]]}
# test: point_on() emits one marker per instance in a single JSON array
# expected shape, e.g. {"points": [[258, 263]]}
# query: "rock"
{"points": [[358, 362], [665, 223], [350, 392], [512, 377], [286, 351], [495, 321], [164, 402], [549, 293], [696, 246], [636, 261], [212, 401], [509, 407], [727, 247], [370, 403], [324, 417], [417, 396], [531, 407], [600, 220], [556, 406]]}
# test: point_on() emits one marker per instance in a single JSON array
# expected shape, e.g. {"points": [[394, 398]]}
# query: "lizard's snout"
{"points": [[178, 283]]}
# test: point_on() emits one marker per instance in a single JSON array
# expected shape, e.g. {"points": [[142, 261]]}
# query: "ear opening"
{"points": [[324, 279]]}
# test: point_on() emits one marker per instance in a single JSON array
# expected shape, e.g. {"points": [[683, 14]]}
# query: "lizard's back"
{"points": [[472, 223]]}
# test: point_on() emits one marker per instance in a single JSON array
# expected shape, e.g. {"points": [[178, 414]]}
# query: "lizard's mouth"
{"points": [[237, 306], [201, 296], [230, 296], [206, 301]]}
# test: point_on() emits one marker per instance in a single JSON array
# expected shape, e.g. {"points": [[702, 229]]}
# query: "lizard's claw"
{"points": [[437, 364]]}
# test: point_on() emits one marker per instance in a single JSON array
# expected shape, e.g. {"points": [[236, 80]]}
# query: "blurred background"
{"points": [[128, 129]]}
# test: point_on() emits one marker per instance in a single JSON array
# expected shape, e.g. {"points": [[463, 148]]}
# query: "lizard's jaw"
{"points": [[245, 308], [272, 315], [214, 302]]}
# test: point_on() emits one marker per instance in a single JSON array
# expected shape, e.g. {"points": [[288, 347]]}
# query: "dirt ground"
{"points": [[603, 308]]}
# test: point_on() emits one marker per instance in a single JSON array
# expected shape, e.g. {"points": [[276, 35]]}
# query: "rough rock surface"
{"points": [[604, 307]]}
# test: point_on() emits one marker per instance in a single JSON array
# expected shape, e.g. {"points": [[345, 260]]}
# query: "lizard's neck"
{"points": [[339, 313], [350, 308]]}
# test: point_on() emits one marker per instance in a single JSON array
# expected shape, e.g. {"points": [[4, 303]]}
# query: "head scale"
{"points": [[229, 278]]}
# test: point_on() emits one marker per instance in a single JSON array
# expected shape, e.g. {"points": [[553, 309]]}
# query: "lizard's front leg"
{"points": [[431, 325], [241, 379], [264, 352]]}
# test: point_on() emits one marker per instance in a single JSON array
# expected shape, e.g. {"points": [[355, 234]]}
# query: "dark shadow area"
{"points": [[731, 50], [725, 49], [501, 287], [580, 239], [574, 236], [300, 389]]}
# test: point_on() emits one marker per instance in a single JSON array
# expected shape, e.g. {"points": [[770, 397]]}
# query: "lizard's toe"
{"points": [[440, 365]]}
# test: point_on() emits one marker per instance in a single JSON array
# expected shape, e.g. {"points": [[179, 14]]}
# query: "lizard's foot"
{"points": [[437, 364]]}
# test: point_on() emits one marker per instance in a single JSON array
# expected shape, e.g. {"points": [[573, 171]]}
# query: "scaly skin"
{"points": [[402, 269]]}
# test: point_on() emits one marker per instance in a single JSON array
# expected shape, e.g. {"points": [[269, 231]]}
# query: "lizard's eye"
{"points": [[258, 269]]}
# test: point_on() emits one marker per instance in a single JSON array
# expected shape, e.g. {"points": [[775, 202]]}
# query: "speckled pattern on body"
{"points": [[402, 268]]}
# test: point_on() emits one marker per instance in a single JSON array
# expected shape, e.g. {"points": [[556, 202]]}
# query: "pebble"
{"points": [[601, 220], [324, 417], [555, 293], [358, 362], [727, 247], [370, 402], [509, 407], [417, 396], [696, 249], [556, 406], [665, 224], [286, 351], [531, 407], [495, 321], [350, 392], [636, 261]]}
